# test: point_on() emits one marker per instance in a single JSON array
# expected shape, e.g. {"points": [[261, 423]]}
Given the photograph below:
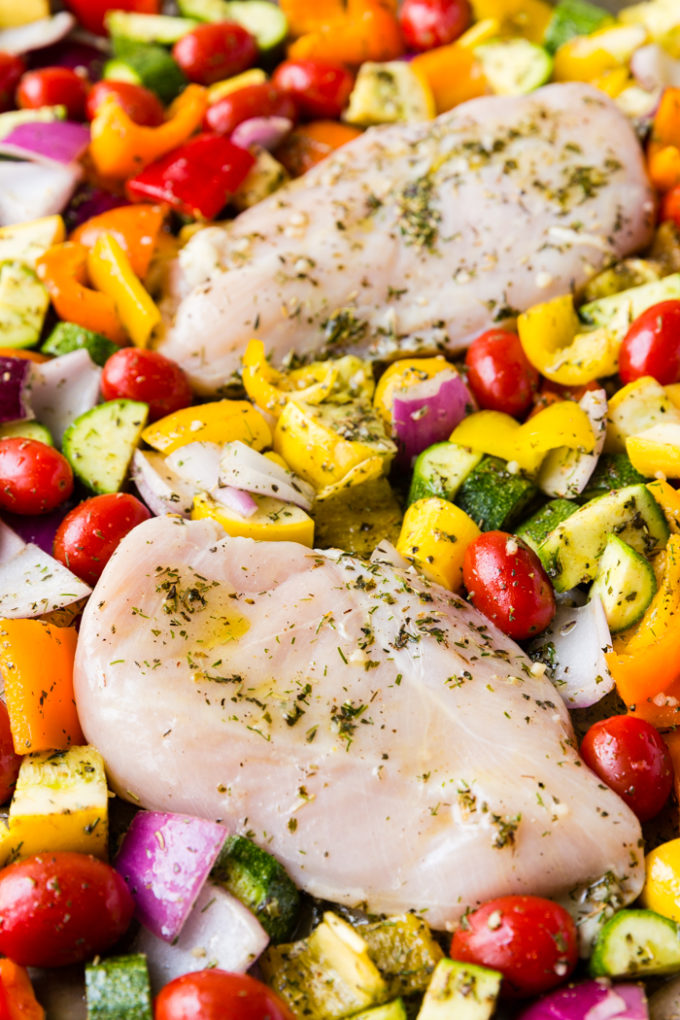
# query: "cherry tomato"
{"points": [[670, 206], [320, 88], [90, 13], [11, 70], [53, 86], [136, 374], [141, 105], [501, 376], [219, 995], [91, 532], [9, 760], [429, 23], [630, 756], [261, 100], [60, 908], [506, 581], [532, 941], [652, 345], [34, 478], [215, 51]]}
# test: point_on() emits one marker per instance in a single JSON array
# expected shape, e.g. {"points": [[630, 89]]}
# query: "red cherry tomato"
{"points": [[429, 23], [90, 13], [532, 941], [141, 105], [89, 535], [261, 100], [652, 345], [53, 86], [11, 70], [670, 206], [135, 374], [630, 756], [215, 51], [219, 995], [506, 581], [60, 908], [320, 88], [34, 478], [9, 760], [501, 376]]}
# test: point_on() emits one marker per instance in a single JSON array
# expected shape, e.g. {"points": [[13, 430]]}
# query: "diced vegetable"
{"points": [[404, 950], [117, 988], [434, 536], [148, 65], [427, 412], [441, 469], [58, 141], [573, 18], [460, 991], [257, 879], [20, 999], [358, 518], [636, 943], [536, 529], [68, 336], [60, 803], [495, 497], [100, 443], [26, 242], [23, 304], [33, 583], [245, 468], [147, 28], [221, 421], [15, 377], [514, 67], [63, 270], [591, 999], [613, 471], [218, 932], [42, 717], [635, 408], [112, 274], [272, 521], [32, 190], [63, 389], [165, 860], [162, 489], [389, 92], [573, 647], [566, 472], [625, 584]]}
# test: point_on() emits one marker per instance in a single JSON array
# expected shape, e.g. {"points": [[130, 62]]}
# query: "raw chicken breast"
{"points": [[417, 237], [374, 732]]}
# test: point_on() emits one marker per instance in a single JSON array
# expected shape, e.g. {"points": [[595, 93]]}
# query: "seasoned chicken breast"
{"points": [[416, 237], [373, 731]]}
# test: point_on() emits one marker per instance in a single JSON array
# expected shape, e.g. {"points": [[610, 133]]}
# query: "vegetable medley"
{"points": [[537, 476]]}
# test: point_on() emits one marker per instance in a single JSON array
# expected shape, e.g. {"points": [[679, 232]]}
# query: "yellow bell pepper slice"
{"points": [[400, 376], [668, 499], [656, 451], [111, 273], [271, 390], [635, 408], [561, 424], [221, 421], [323, 454], [664, 609], [120, 148], [219, 89], [661, 891], [586, 57], [549, 334], [528, 18], [434, 536], [273, 521]]}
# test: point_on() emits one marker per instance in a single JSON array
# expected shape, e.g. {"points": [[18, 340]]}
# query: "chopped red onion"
{"points": [[165, 860], [591, 1000], [198, 464], [29, 191], [63, 388], [10, 543], [267, 132], [654, 68], [163, 491], [88, 202], [428, 412], [32, 583], [74, 54], [245, 468], [36, 34], [58, 141], [15, 376], [242, 503]]}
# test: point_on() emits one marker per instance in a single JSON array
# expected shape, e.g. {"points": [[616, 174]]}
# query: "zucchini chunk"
{"points": [[493, 496], [625, 583], [634, 943]]}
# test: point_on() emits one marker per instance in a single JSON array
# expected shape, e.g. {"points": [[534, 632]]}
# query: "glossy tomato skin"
{"points": [[34, 478], [506, 581], [89, 535], [630, 756], [499, 373], [532, 941], [215, 51], [136, 374], [219, 995], [319, 87], [53, 86], [11, 69], [429, 23], [670, 206], [261, 100], [9, 759], [141, 105], [90, 13], [61, 908], [652, 345]]}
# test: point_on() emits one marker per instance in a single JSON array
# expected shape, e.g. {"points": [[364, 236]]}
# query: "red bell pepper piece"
{"points": [[197, 178]]}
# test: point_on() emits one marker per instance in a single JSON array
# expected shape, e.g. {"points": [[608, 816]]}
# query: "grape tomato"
{"points": [[11, 69], [34, 478], [261, 100], [90, 533], [53, 86], [135, 374], [141, 105], [320, 88], [652, 345], [215, 51], [500, 374], [219, 995], [429, 23]]}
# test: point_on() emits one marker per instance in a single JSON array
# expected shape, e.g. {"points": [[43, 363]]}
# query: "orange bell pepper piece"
{"points": [[308, 144], [666, 123], [63, 270], [309, 15], [367, 30], [36, 662], [663, 151], [663, 165], [18, 992], [120, 148], [672, 740], [453, 73], [17, 352], [135, 228]]}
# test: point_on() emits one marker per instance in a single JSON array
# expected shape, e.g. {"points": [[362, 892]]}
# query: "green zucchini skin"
{"points": [[636, 943], [494, 497], [118, 989]]}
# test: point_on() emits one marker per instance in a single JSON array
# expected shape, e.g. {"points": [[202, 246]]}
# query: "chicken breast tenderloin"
{"points": [[374, 732], [416, 237]]}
